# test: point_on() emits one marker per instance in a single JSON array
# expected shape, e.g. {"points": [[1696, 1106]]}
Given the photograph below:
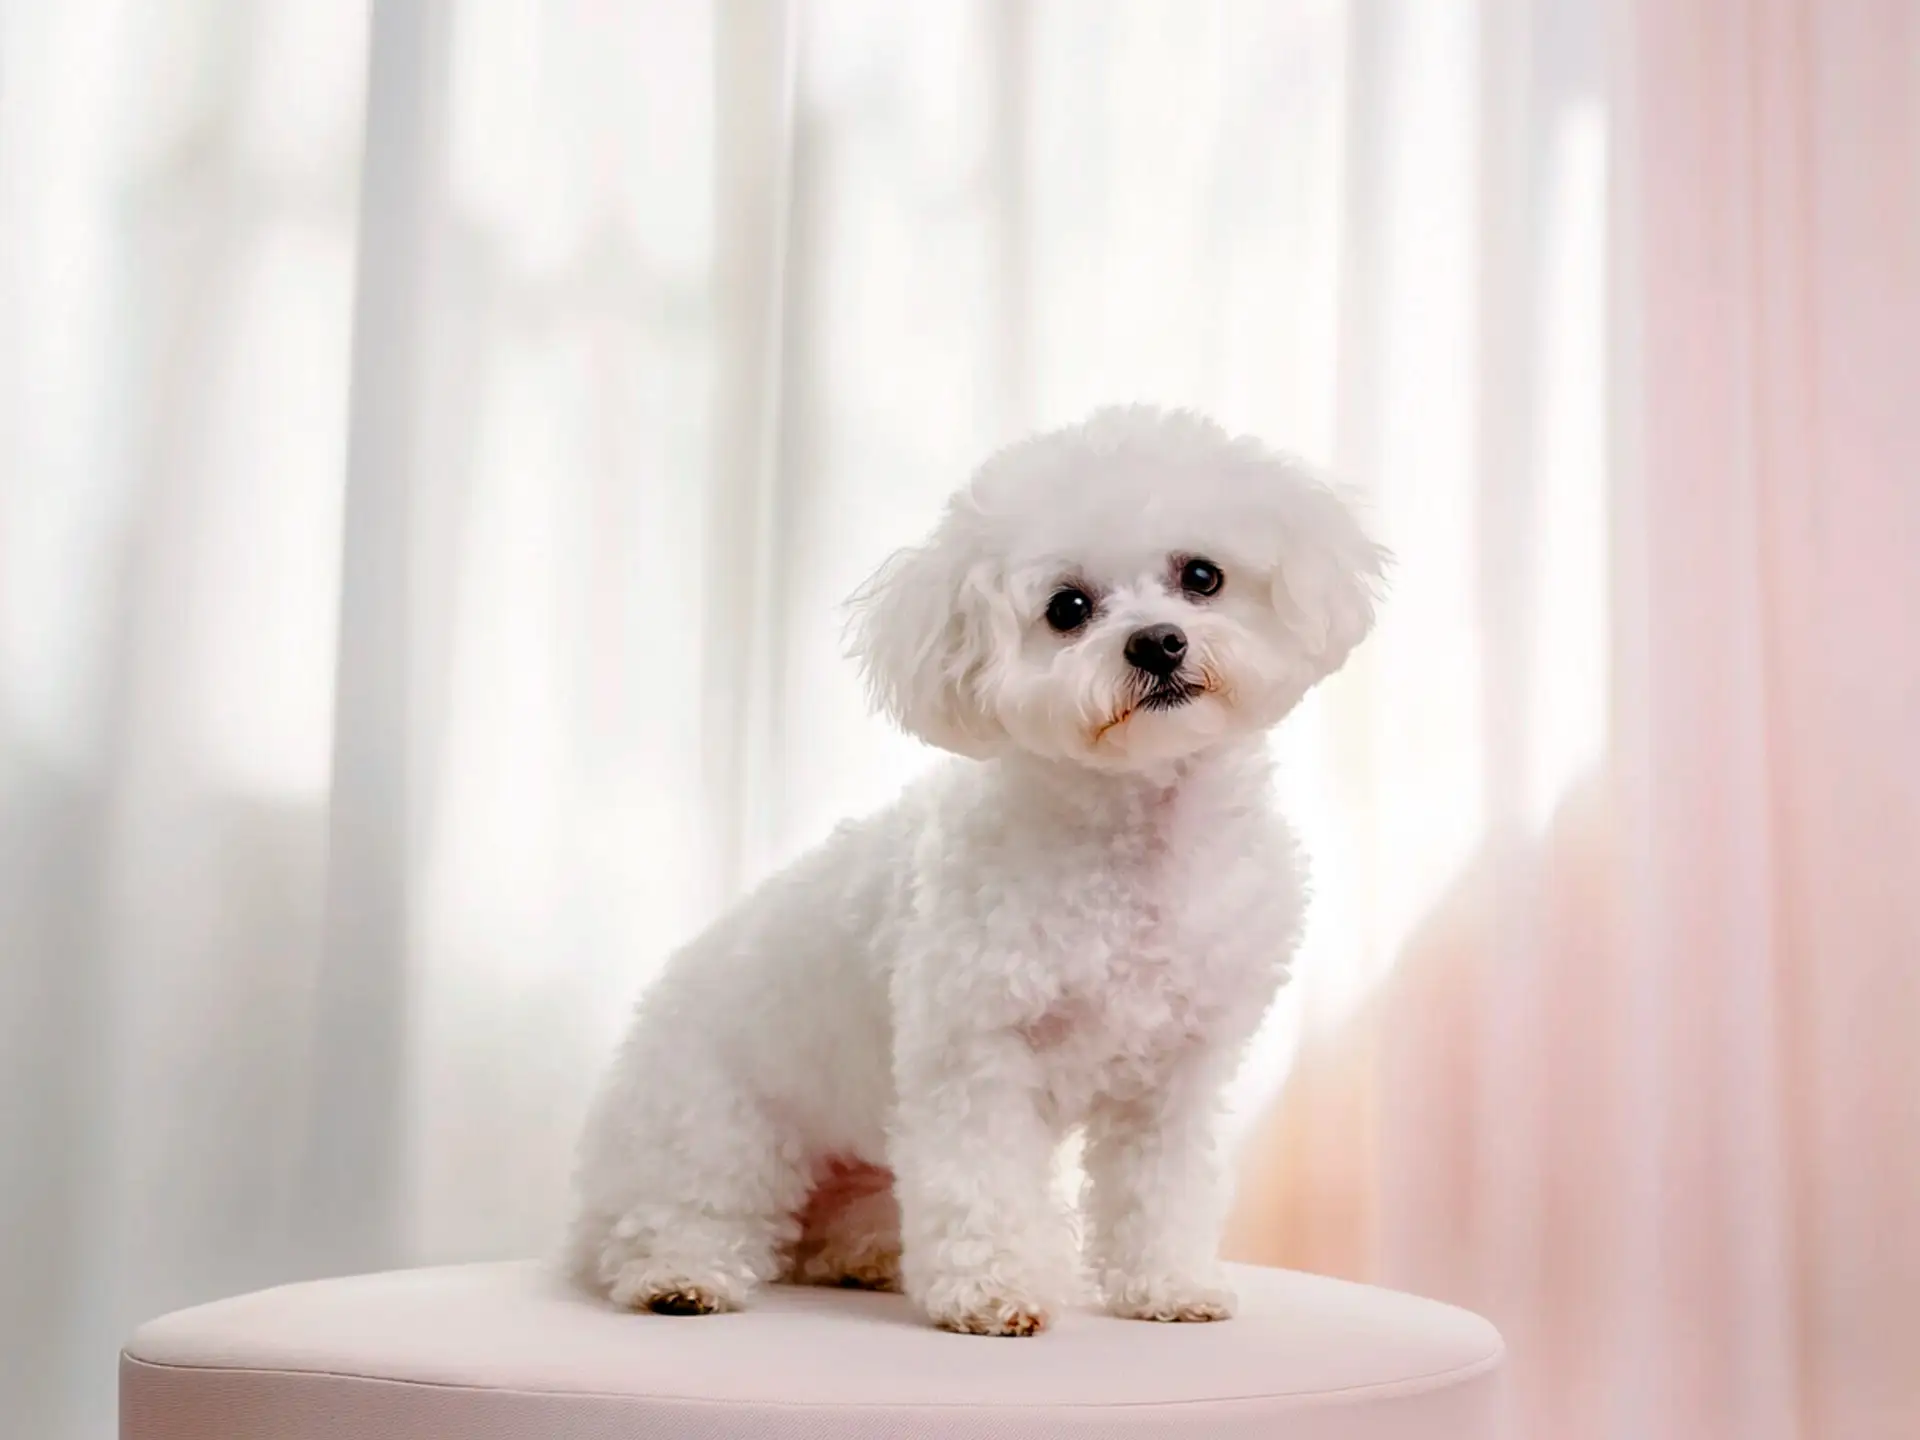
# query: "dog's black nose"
{"points": [[1157, 649]]}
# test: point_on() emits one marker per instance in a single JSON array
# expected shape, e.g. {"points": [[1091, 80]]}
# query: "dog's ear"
{"points": [[926, 630], [1329, 572]]}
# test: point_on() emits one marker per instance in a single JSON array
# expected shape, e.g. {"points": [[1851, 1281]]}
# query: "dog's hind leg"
{"points": [[849, 1229], [703, 1208]]}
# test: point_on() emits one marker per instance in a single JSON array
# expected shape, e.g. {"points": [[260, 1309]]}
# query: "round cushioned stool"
{"points": [[509, 1352]]}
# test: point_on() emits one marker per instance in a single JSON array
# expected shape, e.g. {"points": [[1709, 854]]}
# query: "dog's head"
{"points": [[1122, 593]]}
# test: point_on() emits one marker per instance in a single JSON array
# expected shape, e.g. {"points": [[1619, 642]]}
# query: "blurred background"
{"points": [[435, 437]]}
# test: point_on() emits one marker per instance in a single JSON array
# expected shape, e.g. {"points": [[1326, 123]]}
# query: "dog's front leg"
{"points": [[987, 1249], [1156, 1201]]}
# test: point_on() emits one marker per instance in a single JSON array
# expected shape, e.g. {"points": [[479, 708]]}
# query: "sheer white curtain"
{"points": [[435, 436]]}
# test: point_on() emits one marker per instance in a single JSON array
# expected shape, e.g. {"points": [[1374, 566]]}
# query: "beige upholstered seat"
{"points": [[508, 1352]]}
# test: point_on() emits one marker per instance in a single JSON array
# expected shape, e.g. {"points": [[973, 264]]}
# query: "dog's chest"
{"points": [[1116, 1028], [1160, 949]]}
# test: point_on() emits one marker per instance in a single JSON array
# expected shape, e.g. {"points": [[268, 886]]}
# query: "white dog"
{"points": [[862, 1074]]}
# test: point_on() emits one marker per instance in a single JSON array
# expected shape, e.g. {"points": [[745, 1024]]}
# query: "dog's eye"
{"points": [[1201, 577], [1069, 609]]}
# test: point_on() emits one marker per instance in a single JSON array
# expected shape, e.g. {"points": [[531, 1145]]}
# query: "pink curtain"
{"points": [[1644, 1086]]}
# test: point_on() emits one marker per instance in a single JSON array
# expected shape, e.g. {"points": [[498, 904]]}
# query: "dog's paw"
{"points": [[670, 1290], [997, 1317], [686, 1300], [977, 1307], [862, 1267], [1168, 1298]]}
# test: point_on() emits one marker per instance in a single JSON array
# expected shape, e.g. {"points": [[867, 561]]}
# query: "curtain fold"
{"points": [[436, 436]]}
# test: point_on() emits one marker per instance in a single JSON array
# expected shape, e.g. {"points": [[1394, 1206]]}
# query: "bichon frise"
{"points": [[863, 1073]]}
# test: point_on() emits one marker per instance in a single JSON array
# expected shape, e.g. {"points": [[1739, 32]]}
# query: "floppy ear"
{"points": [[925, 630], [1329, 575]]}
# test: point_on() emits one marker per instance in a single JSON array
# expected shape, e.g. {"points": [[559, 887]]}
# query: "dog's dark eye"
{"points": [[1201, 577], [1069, 609]]}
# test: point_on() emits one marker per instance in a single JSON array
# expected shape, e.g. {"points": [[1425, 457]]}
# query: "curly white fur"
{"points": [[863, 1073]]}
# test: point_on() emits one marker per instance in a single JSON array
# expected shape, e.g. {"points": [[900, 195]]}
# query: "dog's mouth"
{"points": [[1170, 693], [1157, 694]]}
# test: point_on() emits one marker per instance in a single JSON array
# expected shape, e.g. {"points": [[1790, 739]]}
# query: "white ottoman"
{"points": [[508, 1352]]}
